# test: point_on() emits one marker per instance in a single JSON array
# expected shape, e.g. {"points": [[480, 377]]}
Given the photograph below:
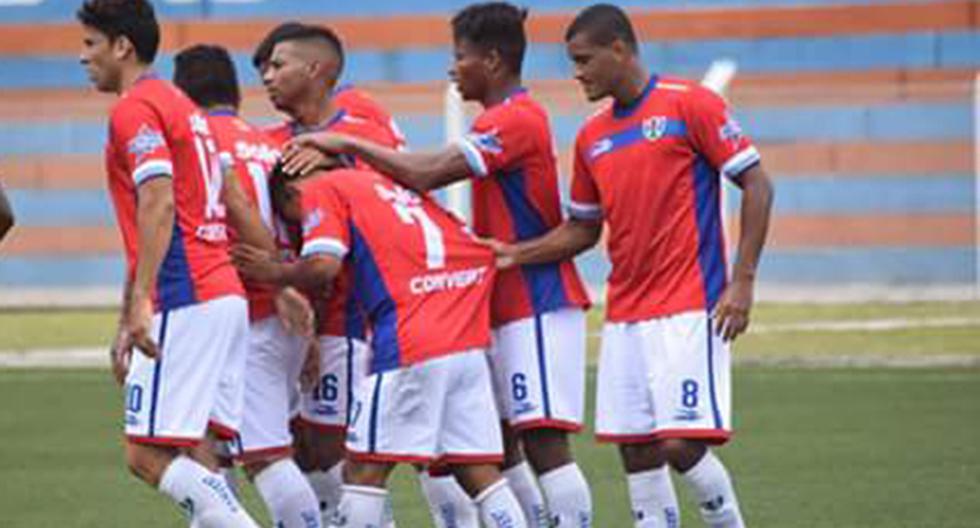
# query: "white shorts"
{"points": [[441, 410], [170, 400], [538, 366], [275, 358], [668, 377], [343, 363]]}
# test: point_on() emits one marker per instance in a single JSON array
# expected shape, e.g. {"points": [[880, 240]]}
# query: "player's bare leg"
{"points": [[522, 480], [322, 455], [203, 495], [365, 499], [497, 504], [565, 488]]}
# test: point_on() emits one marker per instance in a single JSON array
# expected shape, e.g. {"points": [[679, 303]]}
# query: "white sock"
{"points": [[499, 507], [653, 498], [568, 496], [450, 506], [288, 496], [231, 480], [713, 489], [362, 507], [388, 520], [525, 487], [327, 486], [203, 495]]}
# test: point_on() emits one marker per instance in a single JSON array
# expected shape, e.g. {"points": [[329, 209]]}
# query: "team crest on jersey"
{"points": [[145, 141], [730, 131], [487, 141], [654, 128], [312, 221]]}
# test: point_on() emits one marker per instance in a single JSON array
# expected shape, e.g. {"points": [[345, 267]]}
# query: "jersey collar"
{"points": [[621, 111], [298, 129], [222, 113]]}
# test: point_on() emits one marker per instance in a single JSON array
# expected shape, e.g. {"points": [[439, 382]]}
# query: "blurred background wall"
{"points": [[863, 111]]}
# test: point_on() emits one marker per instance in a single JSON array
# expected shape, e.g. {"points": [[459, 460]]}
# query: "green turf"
{"points": [[815, 448]]}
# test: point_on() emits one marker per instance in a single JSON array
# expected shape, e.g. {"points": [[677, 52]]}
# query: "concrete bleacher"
{"points": [[862, 110]]}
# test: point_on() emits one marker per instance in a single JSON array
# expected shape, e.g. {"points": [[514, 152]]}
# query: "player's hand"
{"points": [[300, 161], [121, 354], [329, 142], [309, 376], [138, 325], [295, 312], [255, 264], [732, 312], [504, 252]]}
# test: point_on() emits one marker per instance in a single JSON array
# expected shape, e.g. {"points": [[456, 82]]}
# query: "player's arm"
{"points": [[570, 238], [243, 216], [6, 215], [733, 308], [311, 273], [419, 171], [154, 223]]}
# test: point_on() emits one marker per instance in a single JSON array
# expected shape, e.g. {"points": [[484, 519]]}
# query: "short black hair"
{"points": [[264, 50], [494, 26], [295, 31], [207, 75], [133, 19], [604, 24]]}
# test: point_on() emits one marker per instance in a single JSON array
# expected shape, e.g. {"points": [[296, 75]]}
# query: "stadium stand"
{"points": [[863, 111]]}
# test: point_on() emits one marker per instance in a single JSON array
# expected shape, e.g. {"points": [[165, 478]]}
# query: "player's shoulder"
{"points": [[597, 122], [356, 101], [686, 91]]}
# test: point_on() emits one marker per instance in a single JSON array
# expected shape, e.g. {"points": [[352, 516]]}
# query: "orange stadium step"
{"points": [[747, 90], [658, 24]]}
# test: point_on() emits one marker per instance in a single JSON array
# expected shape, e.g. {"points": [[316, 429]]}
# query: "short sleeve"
{"points": [[325, 222], [137, 134], [498, 140], [716, 134], [584, 201]]}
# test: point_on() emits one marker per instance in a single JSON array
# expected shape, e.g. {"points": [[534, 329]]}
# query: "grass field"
{"points": [[815, 447]]}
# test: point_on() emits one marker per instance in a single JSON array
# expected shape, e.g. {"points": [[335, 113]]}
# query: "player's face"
{"points": [[596, 66], [99, 58], [469, 70], [286, 76]]}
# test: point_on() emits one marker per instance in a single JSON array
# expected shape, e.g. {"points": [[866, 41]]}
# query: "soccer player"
{"points": [[6, 215], [424, 282], [538, 356], [650, 165], [275, 355], [183, 304]]}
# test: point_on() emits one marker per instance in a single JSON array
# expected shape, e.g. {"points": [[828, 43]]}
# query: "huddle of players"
{"points": [[476, 359]]}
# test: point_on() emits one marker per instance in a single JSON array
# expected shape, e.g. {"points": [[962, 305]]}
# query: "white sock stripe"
{"points": [[365, 490], [490, 490]]}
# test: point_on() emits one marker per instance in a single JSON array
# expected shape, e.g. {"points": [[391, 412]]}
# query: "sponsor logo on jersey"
{"points": [[654, 128], [146, 141], [215, 232], [256, 152], [325, 409], [600, 147], [446, 280]]}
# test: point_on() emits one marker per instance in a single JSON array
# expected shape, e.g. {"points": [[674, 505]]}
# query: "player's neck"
{"points": [[635, 83], [314, 111], [130, 75], [498, 94]]}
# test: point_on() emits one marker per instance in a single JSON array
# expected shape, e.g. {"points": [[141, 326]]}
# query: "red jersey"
{"points": [[651, 170], [156, 131], [254, 154], [515, 197], [423, 279], [362, 118]]}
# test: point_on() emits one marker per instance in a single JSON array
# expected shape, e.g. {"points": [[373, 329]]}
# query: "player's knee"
{"points": [[682, 454], [641, 457], [513, 451], [330, 450], [546, 449], [147, 463], [474, 478], [367, 474]]}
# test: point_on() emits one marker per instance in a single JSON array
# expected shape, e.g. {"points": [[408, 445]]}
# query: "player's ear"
{"points": [[122, 47], [493, 60]]}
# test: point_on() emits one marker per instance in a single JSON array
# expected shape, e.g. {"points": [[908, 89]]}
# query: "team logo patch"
{"points": [[488, 142], [312, 221], [654, 128], [687, 415], [145, 142], [730, 131]]}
